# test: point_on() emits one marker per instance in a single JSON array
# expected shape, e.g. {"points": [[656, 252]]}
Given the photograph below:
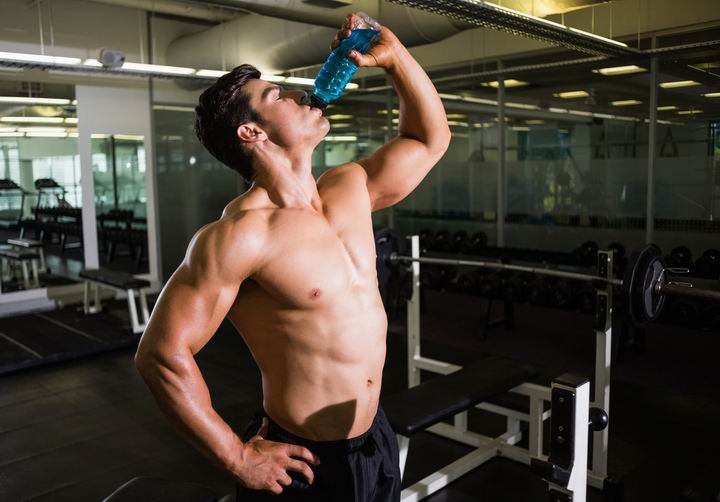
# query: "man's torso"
{"points": [[312, 315]]}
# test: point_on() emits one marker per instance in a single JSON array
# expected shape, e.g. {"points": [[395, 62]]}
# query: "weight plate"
{"points": [[387, 242], [639, 283]]}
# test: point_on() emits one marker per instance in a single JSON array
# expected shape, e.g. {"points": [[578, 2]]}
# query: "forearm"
{"points": [[422, 115], [182, 395]]}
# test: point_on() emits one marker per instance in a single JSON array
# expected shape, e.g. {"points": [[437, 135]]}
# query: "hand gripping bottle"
{"points": [[338, 69]]}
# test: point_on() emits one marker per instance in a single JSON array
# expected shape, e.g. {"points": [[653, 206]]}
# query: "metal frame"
{"points": [[504, 445], [93, 288]]}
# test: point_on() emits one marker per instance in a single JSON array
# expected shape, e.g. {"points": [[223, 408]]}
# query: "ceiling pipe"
{"points": [[285, 34], [189, 10]]}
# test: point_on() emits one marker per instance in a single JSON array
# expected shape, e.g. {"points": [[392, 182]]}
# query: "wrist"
{"points": [[235, 457], [396, 57]]}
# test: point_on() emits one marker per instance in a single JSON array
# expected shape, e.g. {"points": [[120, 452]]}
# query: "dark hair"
{"points": [[223, 107]]}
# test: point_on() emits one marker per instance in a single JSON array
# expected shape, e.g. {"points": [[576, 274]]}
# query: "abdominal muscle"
{"points": [[322, 366]]}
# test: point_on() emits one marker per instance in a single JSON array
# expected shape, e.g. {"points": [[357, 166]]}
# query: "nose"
{"points": [[303, 98]]}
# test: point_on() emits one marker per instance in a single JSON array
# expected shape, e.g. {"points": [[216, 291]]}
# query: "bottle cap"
{"points": [[318, 102]]}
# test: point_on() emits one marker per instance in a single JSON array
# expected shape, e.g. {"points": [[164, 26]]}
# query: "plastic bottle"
{"points": [[338, 69]]}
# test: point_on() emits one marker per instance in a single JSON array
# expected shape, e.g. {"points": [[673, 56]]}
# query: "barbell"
{"points": [[645, 283]]}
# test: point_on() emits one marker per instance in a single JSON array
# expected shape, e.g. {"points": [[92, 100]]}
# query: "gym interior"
{"points": [[557, 270]]}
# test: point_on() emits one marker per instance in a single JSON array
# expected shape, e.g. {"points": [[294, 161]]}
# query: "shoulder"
{"points": [[350, 172], [229, 246]]}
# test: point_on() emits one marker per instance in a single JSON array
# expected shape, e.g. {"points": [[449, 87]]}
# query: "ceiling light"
{"points": [[449, 96], [129, 137], [481, 101], [99, 136], [666, 108], [339, 116], [172, 108], [33, 120], [11, 134], [712, 95], [557, 110], [456, 116], [72, 135], [571, 94], [520, 128], [340, 138], [510, 82], [272, 78], [38, 58], [619, 70], [92, 62], [42, 129], [157, 68], [678, 83], [395, 111], [603, 115], [522, 106], [71, 120], [581, 113], [534, 122], [210, 73], [490, 15], [689, 112], [626, 102], [340, 125], [34, 101], [457, 124], [46, 135], [8, 129]]}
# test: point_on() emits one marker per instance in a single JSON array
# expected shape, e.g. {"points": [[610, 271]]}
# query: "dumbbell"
{"points": [[513, 286], [443, 241], [467, 283], [437, 276], [619, 258], [680, 257], [461, 242], [478, 243], [489, 284], [708, 265], [587, 253], [559, 293], [427, 239], [585, 297]]}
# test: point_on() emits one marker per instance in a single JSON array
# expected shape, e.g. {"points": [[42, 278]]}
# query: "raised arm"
{"points": [[188, 312], [396, 168]]}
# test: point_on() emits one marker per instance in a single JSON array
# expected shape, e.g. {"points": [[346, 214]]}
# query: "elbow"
{"points": [[441, 144]]}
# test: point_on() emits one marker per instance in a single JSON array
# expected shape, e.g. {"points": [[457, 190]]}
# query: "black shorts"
{"points": [[365, 468]]}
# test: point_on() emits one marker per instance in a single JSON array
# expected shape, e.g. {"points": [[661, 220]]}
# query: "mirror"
{"points": [[120, 201]]}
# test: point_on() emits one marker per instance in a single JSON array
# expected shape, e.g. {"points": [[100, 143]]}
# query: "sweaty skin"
{"points": [[291, 263]]}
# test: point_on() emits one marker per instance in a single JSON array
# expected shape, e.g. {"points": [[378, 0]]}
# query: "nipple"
{"points": [[315, 293]]}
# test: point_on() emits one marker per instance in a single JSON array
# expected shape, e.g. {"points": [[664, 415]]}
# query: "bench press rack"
{"points": [[505, 444]]}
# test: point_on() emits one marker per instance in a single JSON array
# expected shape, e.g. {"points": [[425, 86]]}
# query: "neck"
{"points": [[288, 182]]}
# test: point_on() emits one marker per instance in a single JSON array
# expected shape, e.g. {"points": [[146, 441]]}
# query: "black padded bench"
{"points": [[31, 244], [22, 257], [119, 281], [426, 405], [147, 489]]}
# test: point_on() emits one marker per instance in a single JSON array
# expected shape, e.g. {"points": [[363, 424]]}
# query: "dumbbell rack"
{"points": [[597, 475]]}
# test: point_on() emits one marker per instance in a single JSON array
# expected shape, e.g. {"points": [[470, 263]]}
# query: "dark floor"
{"points": [[75, 431]]}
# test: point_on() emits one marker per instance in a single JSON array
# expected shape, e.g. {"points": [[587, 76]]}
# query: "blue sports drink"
{"points": [[338, 69]]}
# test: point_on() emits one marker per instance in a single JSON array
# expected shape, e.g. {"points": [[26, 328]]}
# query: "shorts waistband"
{"points": [[349, 444]]}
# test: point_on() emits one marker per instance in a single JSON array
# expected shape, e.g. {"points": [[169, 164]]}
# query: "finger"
{"points": [[276, 488], [303, 454], [284, 479], [302, 468], [362, 59]]}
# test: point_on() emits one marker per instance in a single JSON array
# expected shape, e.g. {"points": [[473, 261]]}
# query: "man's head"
{"points": [[240, 112]]}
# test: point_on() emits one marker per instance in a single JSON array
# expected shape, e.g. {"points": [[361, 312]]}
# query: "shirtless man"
{"points": [[291, 263]]}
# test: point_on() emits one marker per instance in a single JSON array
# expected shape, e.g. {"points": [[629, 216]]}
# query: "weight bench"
{"points": [[23, 256], [31, 244], [119, 281], [424, 406]]}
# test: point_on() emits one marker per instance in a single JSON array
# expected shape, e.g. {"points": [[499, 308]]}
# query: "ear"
{"points": [[250, 132]]}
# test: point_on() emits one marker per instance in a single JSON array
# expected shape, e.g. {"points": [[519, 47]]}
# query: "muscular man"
{"points": [[291, 263]]}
